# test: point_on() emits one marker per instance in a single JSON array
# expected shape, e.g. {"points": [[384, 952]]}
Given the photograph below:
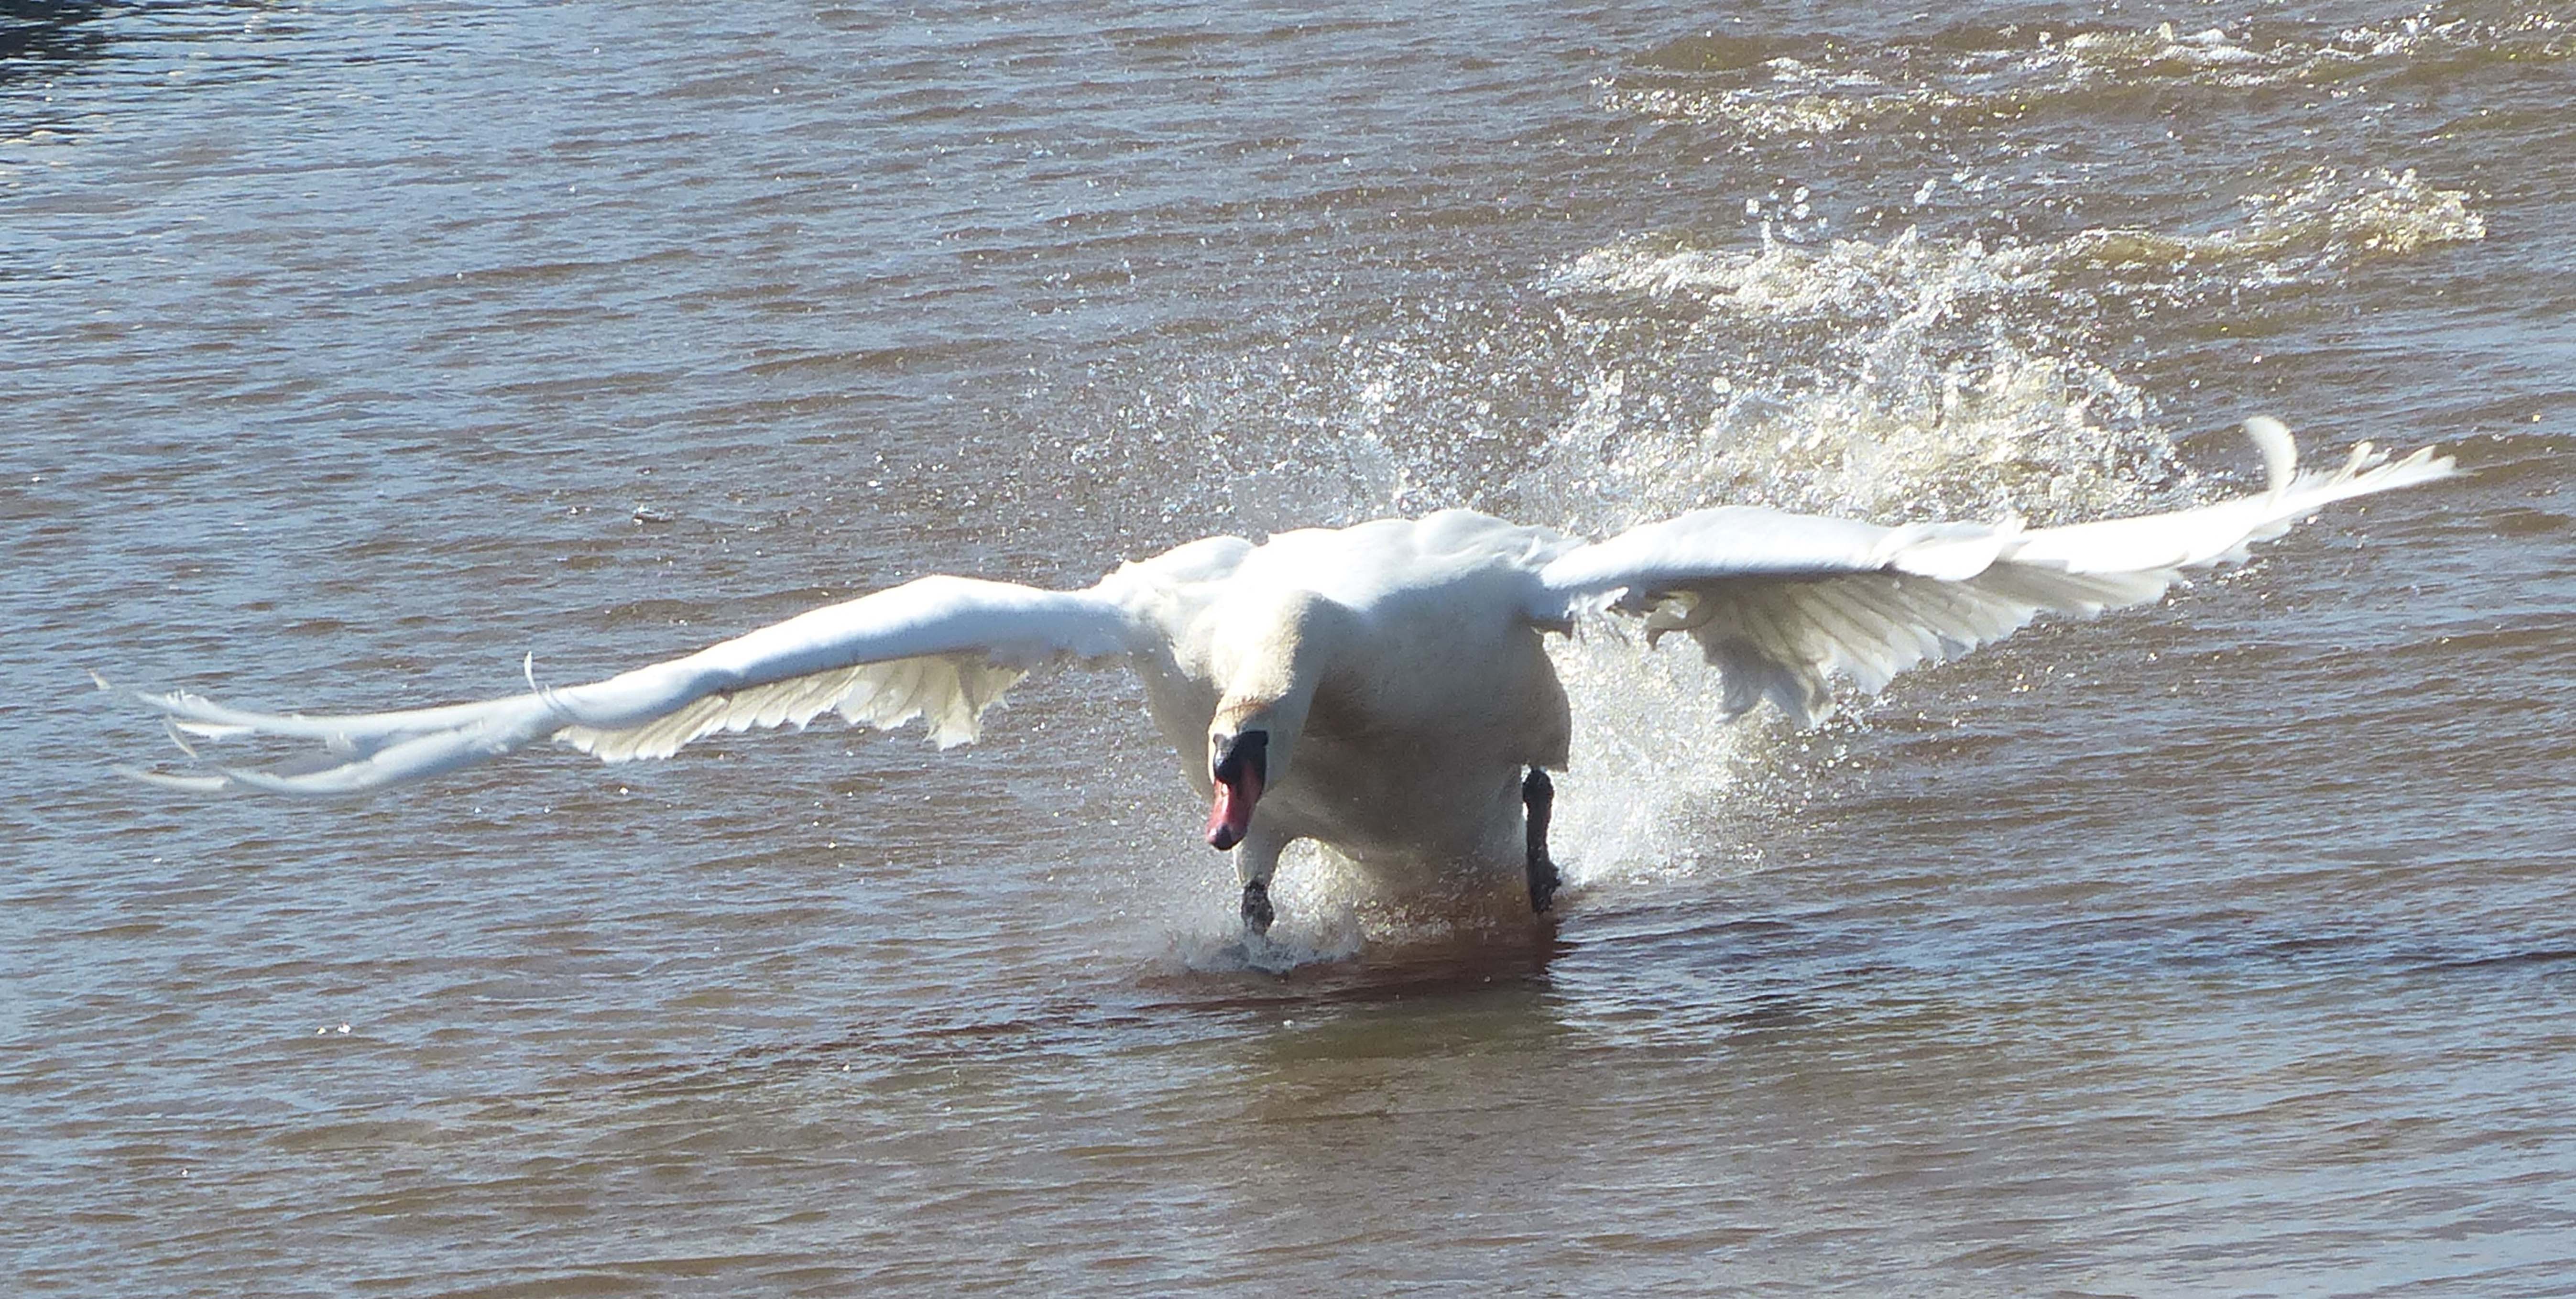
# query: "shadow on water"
{"points": [[1430, 961], [1467, 971]]}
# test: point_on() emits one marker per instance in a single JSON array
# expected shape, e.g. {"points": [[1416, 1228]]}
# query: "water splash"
{"points": [[1918, 376], [1919, 395], [1935, 378], [1943, 377]]}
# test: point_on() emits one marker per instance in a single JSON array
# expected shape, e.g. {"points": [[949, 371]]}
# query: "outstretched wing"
{"points": [[941, 649], [1781, 602]]}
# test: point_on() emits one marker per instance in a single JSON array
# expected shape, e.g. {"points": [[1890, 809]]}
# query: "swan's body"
{"points": [[1384, 689], [1396, 667]]}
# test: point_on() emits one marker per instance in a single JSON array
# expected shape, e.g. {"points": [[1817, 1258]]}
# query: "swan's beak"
{"points": [[1240, 772]]}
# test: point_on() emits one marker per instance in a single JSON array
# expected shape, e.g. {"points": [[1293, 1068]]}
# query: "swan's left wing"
{"points": [[941, 649], [1783, 602]]}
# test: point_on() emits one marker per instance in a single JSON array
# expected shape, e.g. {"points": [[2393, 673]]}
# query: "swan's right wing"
{"points": [[942, 649], [1782, 603]]}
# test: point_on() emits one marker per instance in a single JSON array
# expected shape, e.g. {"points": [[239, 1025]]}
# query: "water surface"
{"points": [[351, 353]]}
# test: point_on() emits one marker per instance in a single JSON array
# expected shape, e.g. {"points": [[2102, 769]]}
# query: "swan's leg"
{"points": [[1254, 859], [1538, 795]]}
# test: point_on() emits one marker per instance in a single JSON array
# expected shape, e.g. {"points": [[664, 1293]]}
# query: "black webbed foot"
{"points": [[1256, 907], [1538, 796]]}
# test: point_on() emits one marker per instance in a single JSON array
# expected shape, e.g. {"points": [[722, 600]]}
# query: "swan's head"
{"points": [[1249, 747], [1269, 654], [1239, 768]]}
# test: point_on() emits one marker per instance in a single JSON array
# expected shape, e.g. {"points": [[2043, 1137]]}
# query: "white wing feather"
{"points": [[1782, 603], [942, 649]]}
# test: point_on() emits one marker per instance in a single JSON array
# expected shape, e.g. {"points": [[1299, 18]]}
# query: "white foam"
{"points": [[2022, 69], [2326, 219]]}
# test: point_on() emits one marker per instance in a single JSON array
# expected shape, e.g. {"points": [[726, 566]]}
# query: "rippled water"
{"points": [[349, 353]]}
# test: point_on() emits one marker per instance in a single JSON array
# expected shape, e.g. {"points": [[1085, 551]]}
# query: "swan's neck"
{"points": [[1270, 658]]}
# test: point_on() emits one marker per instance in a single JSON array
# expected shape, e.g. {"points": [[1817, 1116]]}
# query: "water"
{"points": [[350, 353]]}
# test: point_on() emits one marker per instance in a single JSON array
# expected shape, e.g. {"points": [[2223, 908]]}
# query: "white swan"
{"points": [[1382, 688]]}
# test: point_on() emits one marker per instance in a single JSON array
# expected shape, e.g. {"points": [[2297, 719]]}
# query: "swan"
{"points": [[1384, 688]]}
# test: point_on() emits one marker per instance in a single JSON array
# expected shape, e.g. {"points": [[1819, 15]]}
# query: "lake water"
{"points": [[349, 353]]}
